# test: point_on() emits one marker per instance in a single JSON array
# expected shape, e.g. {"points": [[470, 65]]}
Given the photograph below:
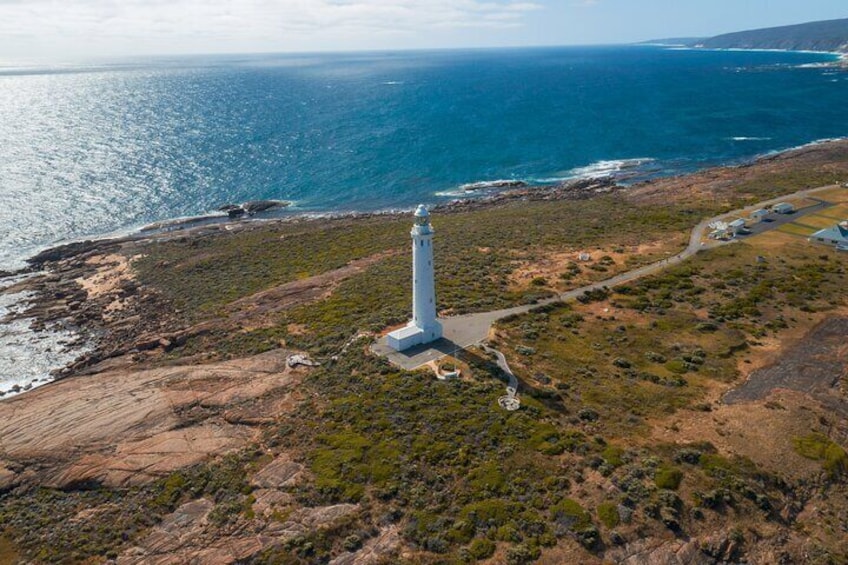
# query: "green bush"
{"points": [[570, 514], [668, 478], [608, 514], [481, 548], [612, 455], [818, 447], [677, 366]]}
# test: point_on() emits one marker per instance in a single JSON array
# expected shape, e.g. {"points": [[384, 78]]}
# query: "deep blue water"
{"points": [[90, 150]]}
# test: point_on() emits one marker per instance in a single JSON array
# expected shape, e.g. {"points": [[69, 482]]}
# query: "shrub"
{"points": [[570, 514], [608, 514], [668, 478], [613, 455], [622, 363], [677, 366], [818, 447], [587, 415], [521, 555], [481, 548], [352, 542]]}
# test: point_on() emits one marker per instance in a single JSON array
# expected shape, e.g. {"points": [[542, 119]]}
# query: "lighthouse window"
{"points": [[422, 243]]}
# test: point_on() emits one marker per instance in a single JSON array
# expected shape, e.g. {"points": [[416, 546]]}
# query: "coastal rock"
{"points": [[255, 206], [651, 551], [130, 427], [587, 184], [269, 500], [8, 478], [376, 550], [474, 186], [280, 473], [252, 207], [186, 536], [70, 250]]}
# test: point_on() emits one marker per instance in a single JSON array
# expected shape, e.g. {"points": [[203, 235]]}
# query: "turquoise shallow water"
{"points": [[90, 150]]}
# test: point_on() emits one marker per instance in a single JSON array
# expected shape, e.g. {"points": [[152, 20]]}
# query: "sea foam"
{"points": [[27, 357]]}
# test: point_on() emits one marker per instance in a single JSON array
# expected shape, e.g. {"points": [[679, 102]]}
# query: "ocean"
{"points": [[98, 149]]}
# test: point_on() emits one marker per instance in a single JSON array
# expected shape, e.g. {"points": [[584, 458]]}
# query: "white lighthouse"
{"points": [[424, 326]]}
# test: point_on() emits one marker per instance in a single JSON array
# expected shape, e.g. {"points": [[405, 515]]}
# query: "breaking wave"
{"points": [[27, 357]]}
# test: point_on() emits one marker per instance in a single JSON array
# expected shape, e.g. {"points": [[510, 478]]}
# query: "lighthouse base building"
{"points": [[424, 327]]}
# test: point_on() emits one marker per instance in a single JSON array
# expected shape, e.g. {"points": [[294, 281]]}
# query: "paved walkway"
{"points": [[464, 331], [508, 402]]}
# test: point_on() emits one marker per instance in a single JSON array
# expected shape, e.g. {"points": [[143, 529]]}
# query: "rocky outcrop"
{"points": [[375, 551], [659, 552], [282, 472], [186, 536], [252, 207], [130, 427]]}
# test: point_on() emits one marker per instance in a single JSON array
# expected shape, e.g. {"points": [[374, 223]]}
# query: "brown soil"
{"points": [[552, 265], [794, 386]]}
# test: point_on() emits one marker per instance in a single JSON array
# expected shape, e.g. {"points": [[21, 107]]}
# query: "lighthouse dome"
{"points": [[421, 212]]}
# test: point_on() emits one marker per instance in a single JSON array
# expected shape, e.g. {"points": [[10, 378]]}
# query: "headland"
{"points": [[194, 430]]}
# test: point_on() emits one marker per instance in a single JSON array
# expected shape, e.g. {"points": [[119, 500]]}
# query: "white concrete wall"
{"points": [[423, 278]]}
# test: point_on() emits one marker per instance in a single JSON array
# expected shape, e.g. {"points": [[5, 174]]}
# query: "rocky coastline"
{"points": [[122, 321]]}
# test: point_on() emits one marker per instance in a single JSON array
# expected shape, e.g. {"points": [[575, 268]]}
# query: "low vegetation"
{"points": [[579, 470]]}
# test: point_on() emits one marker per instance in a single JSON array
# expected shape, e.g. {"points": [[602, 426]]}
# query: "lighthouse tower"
{"points": [[424, 326]]}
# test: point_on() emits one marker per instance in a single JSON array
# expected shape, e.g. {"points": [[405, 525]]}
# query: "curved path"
{"points": [[464, 331], [508, 402]]}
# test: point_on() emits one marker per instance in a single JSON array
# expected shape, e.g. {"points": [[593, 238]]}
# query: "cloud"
{"points": [[216, 25]]}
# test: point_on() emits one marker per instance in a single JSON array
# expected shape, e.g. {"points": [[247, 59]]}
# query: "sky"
{"points": [[57, 30]]}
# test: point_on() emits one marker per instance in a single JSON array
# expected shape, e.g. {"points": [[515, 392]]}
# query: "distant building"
{"points": [[721, 230], [424, 327], [737, 226], [759, 215], [837, 235], [783, 208]]}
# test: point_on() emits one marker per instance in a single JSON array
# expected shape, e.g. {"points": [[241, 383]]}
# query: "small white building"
{"points": [[759, 215], [783, 208], [424, 327], [837, 235]]}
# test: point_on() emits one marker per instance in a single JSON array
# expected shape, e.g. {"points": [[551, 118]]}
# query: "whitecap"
{"points": [[600, 169], [744, 138], [27, 358], [486, 184]]}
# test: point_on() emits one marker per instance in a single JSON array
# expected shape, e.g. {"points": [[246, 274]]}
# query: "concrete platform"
{"points": [[417, 356], [459, 332]]}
